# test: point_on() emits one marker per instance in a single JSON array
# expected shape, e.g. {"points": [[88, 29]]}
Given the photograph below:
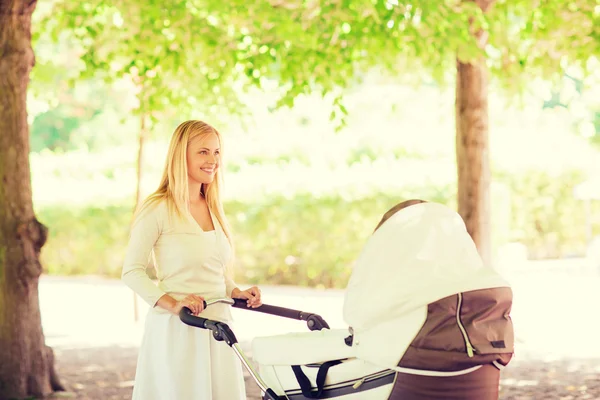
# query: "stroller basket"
{"points": [[346, 380]]}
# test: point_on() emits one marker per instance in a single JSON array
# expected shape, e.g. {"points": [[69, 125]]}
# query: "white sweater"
{"points": [[187, 259]]}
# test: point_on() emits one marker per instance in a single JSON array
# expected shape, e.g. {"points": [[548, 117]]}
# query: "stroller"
{"points": [[425, 317]]}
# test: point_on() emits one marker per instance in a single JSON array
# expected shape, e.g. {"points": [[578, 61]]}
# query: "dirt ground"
{"points": [[108, 373], [553, 304]]}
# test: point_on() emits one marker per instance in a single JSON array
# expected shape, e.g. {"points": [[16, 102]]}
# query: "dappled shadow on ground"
{"points": [[107, 373], [564, 379], [96, 373]]}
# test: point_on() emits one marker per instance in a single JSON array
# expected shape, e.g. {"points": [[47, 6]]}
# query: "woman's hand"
{"points": [[191, 301], [252, 295]]}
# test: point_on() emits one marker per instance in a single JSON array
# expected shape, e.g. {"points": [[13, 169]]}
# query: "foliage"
{"points": [[310, 241], [57, 128], [546, 216], [84, 240], [173, 59], [528, 41], [580, 97], [321, 46], [196, 52], [303, 241], [204, 53], [52, 130]]}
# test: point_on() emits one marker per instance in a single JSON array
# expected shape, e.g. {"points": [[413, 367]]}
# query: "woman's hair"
{"points": [[397, 208], [173, 187]]}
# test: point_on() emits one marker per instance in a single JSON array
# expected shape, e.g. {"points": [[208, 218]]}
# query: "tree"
{"points": [[324, 47], [177, 61], [320, 46], [472, 144], [27, 367]]}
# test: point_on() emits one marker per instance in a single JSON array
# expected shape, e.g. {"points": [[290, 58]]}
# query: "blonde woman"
{"points": [[183, 227]]}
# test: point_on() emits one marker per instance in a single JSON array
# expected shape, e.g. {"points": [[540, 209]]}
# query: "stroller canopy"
{"points": [[421, 254]]}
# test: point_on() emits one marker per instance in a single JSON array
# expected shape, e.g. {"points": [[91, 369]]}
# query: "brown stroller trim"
{"points": [[481, 384]]}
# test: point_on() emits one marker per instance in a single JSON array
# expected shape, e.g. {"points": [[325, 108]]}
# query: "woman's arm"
{"points": [[193, 302], [168, 303], [144, 234], [252, 294], [230, 287]]}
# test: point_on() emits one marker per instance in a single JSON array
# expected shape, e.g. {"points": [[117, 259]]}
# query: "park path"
{"points": [[90, 323]]}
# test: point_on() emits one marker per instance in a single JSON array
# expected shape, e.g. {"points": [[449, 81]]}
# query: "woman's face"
{"points": [[203, 158]]}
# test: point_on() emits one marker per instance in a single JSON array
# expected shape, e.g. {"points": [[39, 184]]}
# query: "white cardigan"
{"points": [[187, 259]]}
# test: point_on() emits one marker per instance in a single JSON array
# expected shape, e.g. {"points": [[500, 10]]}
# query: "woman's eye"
{"points": [[204, 152]]}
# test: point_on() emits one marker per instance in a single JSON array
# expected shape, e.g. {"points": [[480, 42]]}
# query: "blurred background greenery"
{"points": [[331, 114], [302, 193]]}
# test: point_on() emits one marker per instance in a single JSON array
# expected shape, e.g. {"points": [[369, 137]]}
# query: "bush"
{"points": [[307, 241], [546, 216], [312, 241], [303, 241], [85, 240]]}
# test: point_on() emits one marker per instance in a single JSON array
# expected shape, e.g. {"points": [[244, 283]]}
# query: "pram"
{"points": [[426, 308]]}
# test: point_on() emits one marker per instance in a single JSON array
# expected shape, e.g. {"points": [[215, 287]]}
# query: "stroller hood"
{"points": [[421, 254]]}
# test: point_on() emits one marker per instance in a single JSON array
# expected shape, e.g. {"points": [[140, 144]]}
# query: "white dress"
{"points": [[177, 361]]}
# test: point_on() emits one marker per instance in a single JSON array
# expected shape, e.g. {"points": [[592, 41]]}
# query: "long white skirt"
{"points": [[180, 362]]}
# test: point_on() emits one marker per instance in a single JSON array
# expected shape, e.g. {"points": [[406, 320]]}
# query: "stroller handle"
{"points": [[186, 316], [222, 332], [314, 321], [225, 300]]}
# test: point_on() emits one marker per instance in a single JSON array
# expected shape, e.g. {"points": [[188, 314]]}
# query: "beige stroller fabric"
{"points": [[423, 253]]}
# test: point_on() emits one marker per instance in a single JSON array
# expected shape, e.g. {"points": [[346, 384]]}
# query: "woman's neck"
{"points": [[195, 195]]}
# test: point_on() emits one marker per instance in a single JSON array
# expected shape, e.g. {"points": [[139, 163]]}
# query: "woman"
{"points": [[183, 227]]}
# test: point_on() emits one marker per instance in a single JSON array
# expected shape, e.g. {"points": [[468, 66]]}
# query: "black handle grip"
{"points": [[204, 305], [186, 316], [314, 321], [268, 309], [221, 331]]}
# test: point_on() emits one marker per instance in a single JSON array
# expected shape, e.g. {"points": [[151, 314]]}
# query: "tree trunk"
{"points": [[138, 190], [472, 147], [472, 154], [26, 363], [140, 158]]}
